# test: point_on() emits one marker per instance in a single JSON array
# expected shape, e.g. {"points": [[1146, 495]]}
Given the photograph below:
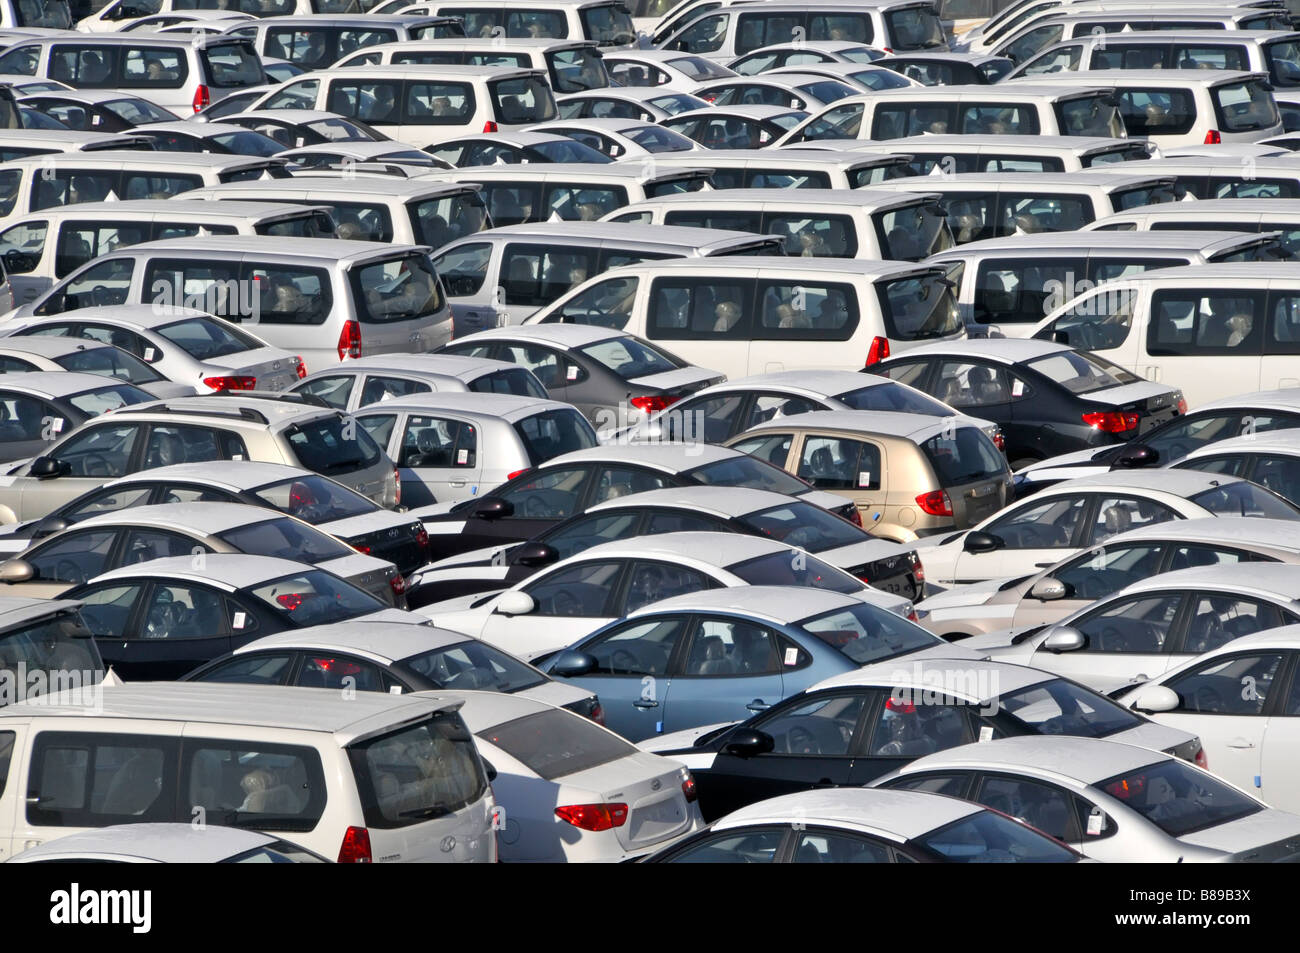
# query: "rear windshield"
{"points": [[1131, 153], [232, 66], [553, 432], [748, 472], [286, 539], [1178, 798], [473, 665], [990, 838], [918, 307], [1283, 59], [1244, 107], [333, 445], [805, 526], [110, 362], [866, 633], [52, 14], [439, 221], [61, 644], [517, 380], [316, 598], [92, 403], [314, 499], [553, 744], [793, 568], [967, 456], [913, 232], [1080, 372], [418, 774], [608, 25], [404, 289], [525, 100], [1245, 499], [628, 358], [897, 397], [205, 339], [915, 28], [1059, 707], [574, 70], [313, 225]]}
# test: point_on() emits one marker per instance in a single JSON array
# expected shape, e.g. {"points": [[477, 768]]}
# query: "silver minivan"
{"points": [[325, 299], [507, 274]]}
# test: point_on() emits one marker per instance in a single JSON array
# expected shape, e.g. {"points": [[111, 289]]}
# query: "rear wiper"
{"points": [[434, 810]]}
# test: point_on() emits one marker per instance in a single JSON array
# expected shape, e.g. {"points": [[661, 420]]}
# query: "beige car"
{"points": [[910, 475]]}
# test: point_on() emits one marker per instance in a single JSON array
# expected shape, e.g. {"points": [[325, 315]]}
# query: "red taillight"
{"points": [[1111, 421], [350, 340], [689, 789], [911, 616], [918, 570], [511, 476], [935, 503], [593, 817], [290, 600], [364, 550], [422, 537], [999, 441], [356, 847], [398, 585], [653, 404], [878, 351], [490, 126], [597, 713], [231, 383], [201, 98], [1201, 760], [854, 516], [1212, 138], [1182, 405], [302, 368]]}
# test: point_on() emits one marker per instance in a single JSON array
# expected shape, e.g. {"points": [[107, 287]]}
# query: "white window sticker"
{"points": [[1017, 388], [57, 425], [149, 354], [240, 620], [462, 457], [791, 655], [236, 456], [394, 689], [864, 478], [1096, 822], [571, 373], [986, 733]]}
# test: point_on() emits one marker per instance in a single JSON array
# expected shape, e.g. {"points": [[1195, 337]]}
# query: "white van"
{"points": [[183, 75], [1005, 286], [316, 42], [744, 316], [812, 223], [324, 299], [1210, 330], [422, 105], [507, 274], [119, 14], [404, 211], [1175, 107], [21, 143], [790, 168], [1230, 177], [369, 778], [604, 22], [1230, 215], [998, 109], [70, 178], [570, 65], [41, 248], [976, 153]]}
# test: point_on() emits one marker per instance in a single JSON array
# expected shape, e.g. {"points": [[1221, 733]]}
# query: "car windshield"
{"points": [[316, 598], [204, 339], [897, 397], [553, 432], [287, 539], [748, 472], [628, 358], [657, 139], [1178, 798], [403, 289], [109, 362], [58, 644], [791, 567], [138, 112], [805, 526], [867, 633], [92, 403], [987, 838], [248, 144], [1245, 499], [473, 665], [1080, 372], [1058, 707], [333, 445], [314, 499]]}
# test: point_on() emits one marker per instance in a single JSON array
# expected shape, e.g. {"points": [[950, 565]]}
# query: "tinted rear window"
{"points": [[1179, 799], [968, 456], [473, 665], [232, 66], [1245, 499], [286, 539], [518, 381], [553, 744], [333, 445], [554, 432], [793, 568], [918, 307]]}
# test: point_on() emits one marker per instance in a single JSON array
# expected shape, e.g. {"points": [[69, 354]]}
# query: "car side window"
{"points": [[143, 545], [1279, 473], [1140, 624], [1237, 685], [553, 495], [1099, 322], [378, 426], [73, 558], [953, 785], [178, 611], [607, 304], [838, 847], [1118, 514], [614, 482], [24, 418], [335, 390], [770, 448], [1044, 806], [592, 530], [904, 729], [836, 463], [103, 451], [638, 648], [1218, 619], [771, 406], [651, 581], [107, 501], [683, 523], [184, 443], [1107, 570], [107, 609], [1203, 554], [911, 373], [700, 309], [258, 668], [378, 388], [91, 780], [1210, 321], [582, 590], [729, 647], [747, 846], [339, 673], [821, 726], [1047, 524], [437, 442], [967, 384]]}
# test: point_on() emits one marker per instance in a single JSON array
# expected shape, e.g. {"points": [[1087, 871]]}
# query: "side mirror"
{"points": [[979, 542], [571, 664], [536, 555], [493, 508], [16, 570], [1064, 638], [1135, 457], [1156, 698], [747, 742], [515, 602], [49, 526], [43, 468], [1048, 590]]}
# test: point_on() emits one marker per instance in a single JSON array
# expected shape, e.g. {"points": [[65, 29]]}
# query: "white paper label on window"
{"points": [[572, 373], [864, 478], [1017, 388], [462, 457], [149, 353], [791, 655], [986, 733], [57, 425], [1096, 822], [240, 620], [236, 456], [394, 689]]}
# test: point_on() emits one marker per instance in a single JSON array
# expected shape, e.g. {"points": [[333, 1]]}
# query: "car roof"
{"points": [[1267, 441], [779, 604], [568, 336], [728, 501], [1159, 77], [1003, 91], [674, 457], [673, 236], [401, 188], [131, 158], [1047, 180], [1279, 580], [206, 518], [180, 207], [586, 171], [713, 549], [424, 71], [175, 843], [857, 198], [459, 366], [329, 249], [136, 315], [1286, 398], [1245, 530], [1184, 483], [272, 706], [1085, 760], [983, 141], [914, 427], [236, 408], [385, 642], [237, 474], [744, 111], [16, 611], [46, 345], [1099, 241], [56, 384], [979, 680], [864, 268], [507, 407], [229, 571], [899, 815], [1003, 350], [827, 383]]}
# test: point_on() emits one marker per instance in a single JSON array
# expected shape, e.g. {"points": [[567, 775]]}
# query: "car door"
{"points": [[613, 481], [1052, 809], [97, 452], [178, 626], [1033, 535], [854, 469], [1127, 640], [814, 735], [908, 723], [549, 365], [1093, 575], [70, 559], [1219, 325], [1225, 702], [537, 502], [1119, 514], [1279, 770], [1214, 619], [632, 675], [109, 610], [732, 670], [438, 458]]}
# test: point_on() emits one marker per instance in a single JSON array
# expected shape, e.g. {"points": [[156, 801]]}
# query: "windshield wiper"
{"points": [[433, 810]]}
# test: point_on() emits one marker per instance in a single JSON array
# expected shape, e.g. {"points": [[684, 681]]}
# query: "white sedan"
{"points": [[168, 844]]}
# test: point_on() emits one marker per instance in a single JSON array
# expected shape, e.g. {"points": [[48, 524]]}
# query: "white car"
{"points": [[1148, 628], [858, 825], [1241, 698], [569, 790], [183, 344], [1271, 459], [1058, 522], [663, 69], [555, 608], [622, 138], [168, 844], [1113, 802]]}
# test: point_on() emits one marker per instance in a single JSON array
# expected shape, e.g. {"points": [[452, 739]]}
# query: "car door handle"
{"points": [[645, 703], [457, 483], [757, 705], [1240, 743]]}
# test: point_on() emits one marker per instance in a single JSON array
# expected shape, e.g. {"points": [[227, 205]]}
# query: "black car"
{"points": [[1048, 398], [209, 137], [677, 510], [97, 111], [948, 69], [514, 149], [538, 499]]}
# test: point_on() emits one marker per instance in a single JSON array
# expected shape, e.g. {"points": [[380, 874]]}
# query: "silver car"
{"points": [[359, 383]]}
